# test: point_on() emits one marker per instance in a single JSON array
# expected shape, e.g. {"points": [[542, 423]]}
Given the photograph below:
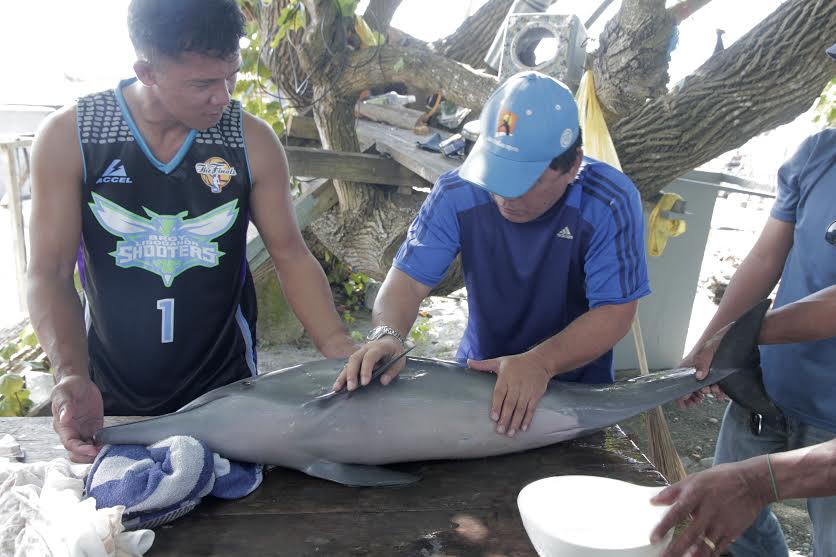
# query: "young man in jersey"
{"points": [[149, 188], [551, 245]]}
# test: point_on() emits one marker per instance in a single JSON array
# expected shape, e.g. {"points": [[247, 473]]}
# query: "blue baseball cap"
{"points": [[832, 51], [529, 120]]}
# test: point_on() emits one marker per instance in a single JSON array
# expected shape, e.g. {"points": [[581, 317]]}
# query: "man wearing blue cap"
{"points": [[798, 247], [551, 245]]}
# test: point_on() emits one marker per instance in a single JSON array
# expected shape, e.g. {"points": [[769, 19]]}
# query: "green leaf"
{"points": [[36, 365], [264, 72], [15, 398], [10, 383], [8, 351], [28, 338], [291, 18], [9, 408], [347, 7]]}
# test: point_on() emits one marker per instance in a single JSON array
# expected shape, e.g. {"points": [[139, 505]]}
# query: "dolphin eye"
{"points": [[830, 235]]}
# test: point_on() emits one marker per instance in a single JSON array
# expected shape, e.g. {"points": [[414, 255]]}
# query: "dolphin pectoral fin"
{"points": [[739, 349], [358, 475]]}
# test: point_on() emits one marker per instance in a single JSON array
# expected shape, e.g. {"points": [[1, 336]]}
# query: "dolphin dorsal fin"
{"points": [[739, 349]]}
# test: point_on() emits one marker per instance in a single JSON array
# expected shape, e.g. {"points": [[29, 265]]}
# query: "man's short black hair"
{"points": [[174, 27], [564, 161]]}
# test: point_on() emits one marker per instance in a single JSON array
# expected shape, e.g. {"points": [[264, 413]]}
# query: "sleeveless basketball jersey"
{"points": [[169, 299]]}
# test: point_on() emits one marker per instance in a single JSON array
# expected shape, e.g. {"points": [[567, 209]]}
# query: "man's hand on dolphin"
{"points": [[77, 413], [358, 369], [520, 383], [700, 358]]}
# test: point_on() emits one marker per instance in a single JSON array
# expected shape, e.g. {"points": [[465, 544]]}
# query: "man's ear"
{"points": [[145, 72], [577, 164]]}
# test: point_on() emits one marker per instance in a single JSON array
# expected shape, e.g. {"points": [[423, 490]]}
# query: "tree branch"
{"points": [[765, 79], [685, 9], [470, 43], [597, 13], [379, 14], [631, 65], [416, 67]]}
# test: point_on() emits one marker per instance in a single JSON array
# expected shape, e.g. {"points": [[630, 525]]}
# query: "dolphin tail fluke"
{"points": [[359, 475], [739, 349]]}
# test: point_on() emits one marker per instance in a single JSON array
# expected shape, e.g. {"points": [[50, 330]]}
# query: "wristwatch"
{"points": [[382, 331]]}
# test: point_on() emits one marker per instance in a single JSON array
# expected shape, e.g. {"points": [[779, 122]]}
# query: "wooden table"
{"points": [[459, 508]]}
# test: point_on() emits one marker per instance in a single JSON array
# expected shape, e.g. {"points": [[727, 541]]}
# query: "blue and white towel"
{"points": [[166, 480]]}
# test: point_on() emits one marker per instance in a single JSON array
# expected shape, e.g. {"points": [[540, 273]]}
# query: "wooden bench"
{"points": [[461, 508]]}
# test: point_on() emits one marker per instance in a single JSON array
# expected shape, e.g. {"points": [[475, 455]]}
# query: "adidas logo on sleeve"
{"points": [[566, 234]]}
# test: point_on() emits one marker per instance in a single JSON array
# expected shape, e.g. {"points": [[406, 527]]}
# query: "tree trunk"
{"points": [[471, 41], [631, 64], [765, 79], [420, 68], [379, 14]]}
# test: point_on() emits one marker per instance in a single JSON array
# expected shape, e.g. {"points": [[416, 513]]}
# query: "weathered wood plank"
{"points": [[396, 142], [470, 533], [401, 146], [317, 197], [16, 218], [352, 167], [465, 508], [398, 116], [302, 127]]}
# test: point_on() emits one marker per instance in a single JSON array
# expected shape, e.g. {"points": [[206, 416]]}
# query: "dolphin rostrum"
{"points": [[435, 410]]}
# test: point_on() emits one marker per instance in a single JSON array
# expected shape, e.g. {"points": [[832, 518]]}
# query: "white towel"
{"points": [[42, 513]]}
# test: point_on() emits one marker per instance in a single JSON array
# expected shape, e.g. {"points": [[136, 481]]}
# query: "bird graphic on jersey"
{"points": [[165, 245]]}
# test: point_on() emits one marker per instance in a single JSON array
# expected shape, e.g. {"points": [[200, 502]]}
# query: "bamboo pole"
{"points": [[662, 450]]}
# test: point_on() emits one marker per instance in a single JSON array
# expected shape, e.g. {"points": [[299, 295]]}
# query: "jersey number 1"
{"points": [[166, 306]]}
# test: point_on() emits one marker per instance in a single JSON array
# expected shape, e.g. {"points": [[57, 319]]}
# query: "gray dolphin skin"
{"points": [[434, 410]]}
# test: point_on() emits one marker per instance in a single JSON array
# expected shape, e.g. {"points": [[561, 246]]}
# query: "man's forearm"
{"points": [[811, 318], [307, 291], [807, 472], [586, 338], [398, 301], [750, 284], [755, 278], [57, 317]]}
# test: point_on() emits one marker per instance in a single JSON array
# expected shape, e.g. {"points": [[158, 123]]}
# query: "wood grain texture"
{"points": [[459, 508]]}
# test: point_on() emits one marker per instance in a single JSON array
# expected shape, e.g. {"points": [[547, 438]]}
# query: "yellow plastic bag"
{"points": [[367, 36], [598, 144], [660, 228]]}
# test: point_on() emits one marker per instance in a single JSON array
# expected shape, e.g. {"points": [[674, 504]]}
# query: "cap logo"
{"points": [[506, 124], [566, 138]]}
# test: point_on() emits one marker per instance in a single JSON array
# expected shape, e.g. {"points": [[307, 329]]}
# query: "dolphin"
{"points": [[435, 410]]}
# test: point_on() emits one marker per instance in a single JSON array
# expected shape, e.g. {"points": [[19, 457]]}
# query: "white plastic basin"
{"points": [[589, 516]]}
